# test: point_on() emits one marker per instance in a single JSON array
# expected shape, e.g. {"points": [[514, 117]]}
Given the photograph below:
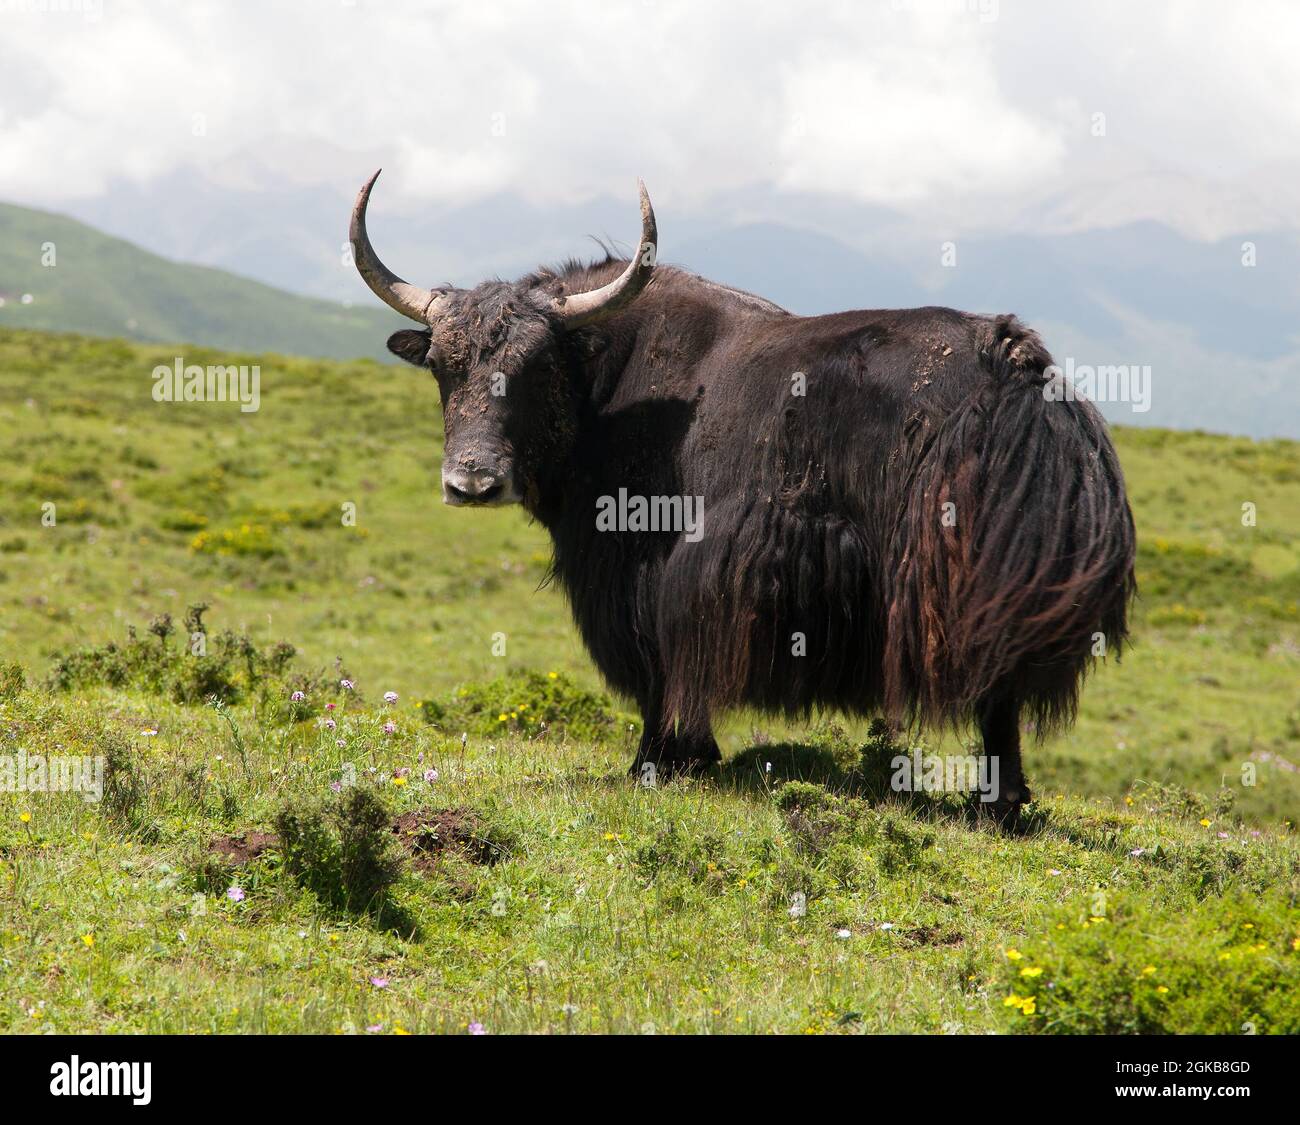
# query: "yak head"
{"points": [[509, 408]]}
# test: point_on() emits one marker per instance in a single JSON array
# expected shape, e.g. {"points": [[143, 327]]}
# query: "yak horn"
{"points": [[409, 300], [582, 308]]}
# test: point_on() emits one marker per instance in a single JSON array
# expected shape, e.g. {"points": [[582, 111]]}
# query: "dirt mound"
{"points": [[427, 833], [245, 847]]}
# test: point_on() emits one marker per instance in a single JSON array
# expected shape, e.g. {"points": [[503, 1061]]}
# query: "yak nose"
{"points": [[471, 486]]}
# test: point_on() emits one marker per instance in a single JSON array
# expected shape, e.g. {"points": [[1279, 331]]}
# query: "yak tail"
{"points": [[1013, 555]]}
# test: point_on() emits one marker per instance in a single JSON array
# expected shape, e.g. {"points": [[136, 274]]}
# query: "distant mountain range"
{"points": [[1222, 339], [57, 273]]}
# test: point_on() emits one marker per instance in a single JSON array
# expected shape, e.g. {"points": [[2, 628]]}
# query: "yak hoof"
{"points": [[676, 761], [1005, 811]]}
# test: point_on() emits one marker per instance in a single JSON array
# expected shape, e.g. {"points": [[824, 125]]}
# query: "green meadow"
{"points": [[472, 854]]}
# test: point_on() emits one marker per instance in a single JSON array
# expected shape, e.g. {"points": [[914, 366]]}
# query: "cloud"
{"points": [[970, 112]]}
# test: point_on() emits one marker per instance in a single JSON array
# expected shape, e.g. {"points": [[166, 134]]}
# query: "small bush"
{"points": [[528, 703], [228, 667], [342, 851]]}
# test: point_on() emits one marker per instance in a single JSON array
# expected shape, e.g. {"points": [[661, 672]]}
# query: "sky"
{"points": [[1104, 169], [980, 115]]}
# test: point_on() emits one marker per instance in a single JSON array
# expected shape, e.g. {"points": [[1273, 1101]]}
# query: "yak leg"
{"points": [[999, 720], [669, 750]]}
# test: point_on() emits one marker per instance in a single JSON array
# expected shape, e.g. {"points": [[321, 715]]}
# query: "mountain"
{"points": [[57, 273], [1219, 337]]}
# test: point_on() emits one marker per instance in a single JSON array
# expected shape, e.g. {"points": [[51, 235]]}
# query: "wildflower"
{"points": [[375, 1027], [1205, 823], [340, 742], [346, 685], [149, 733], [1147, 970], [390, 727], [336, 786], [298, 696], [329, 707], [379, 982], [1162, 989], [1031, 972], [477, 1028], [552, 675], [501, 718], [235, 894], [330, 724], [399, 781], [1052, 871], [843, 934], [398, 1029], [1014, 955], [88, 940], [614, 836], [430, 776], [25, 817], [390, 697]]}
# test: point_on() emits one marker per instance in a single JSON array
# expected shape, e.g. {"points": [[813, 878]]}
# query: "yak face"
{"points": [[506, 406], [508, 409]]}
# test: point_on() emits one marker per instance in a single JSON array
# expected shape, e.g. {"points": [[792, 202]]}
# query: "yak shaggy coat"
{"points": [[898, 513]]}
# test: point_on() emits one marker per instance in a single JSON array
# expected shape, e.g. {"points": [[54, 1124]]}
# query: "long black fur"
{"points": [[824, 513]]}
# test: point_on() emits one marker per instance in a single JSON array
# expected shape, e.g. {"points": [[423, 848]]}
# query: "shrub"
{"points": [[342, 851], [229, 668], [528, 703]]}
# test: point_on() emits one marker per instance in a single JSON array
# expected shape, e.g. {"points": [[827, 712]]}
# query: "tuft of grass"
{"points": [[528, 703], [342, 850]]}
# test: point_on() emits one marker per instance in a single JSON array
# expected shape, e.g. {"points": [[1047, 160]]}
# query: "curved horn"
{"points": [[582, 308], [409, 300]]}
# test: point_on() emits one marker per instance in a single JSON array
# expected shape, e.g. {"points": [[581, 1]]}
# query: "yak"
{"points": [[894, 511]]}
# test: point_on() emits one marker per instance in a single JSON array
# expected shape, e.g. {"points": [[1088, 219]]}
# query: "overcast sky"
{"points": [[976, 113]]}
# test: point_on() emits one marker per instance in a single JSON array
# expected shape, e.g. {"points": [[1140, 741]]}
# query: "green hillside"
{"points": [[107, 287], [223, 885]]}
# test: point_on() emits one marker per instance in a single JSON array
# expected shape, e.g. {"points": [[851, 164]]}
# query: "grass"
{"points": [[530, 886]]}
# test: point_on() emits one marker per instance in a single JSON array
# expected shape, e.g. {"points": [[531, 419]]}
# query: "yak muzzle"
{"points": [[478, 487]]}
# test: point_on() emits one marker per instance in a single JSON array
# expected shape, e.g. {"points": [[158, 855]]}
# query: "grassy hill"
{"points": [[223, 884], [107, 287]]}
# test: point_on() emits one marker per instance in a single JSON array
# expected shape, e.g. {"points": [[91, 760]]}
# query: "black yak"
{"points": [[893, 510]]}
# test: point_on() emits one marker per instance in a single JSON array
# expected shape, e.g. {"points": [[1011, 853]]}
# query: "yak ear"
{"points": [[410, 345]]}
